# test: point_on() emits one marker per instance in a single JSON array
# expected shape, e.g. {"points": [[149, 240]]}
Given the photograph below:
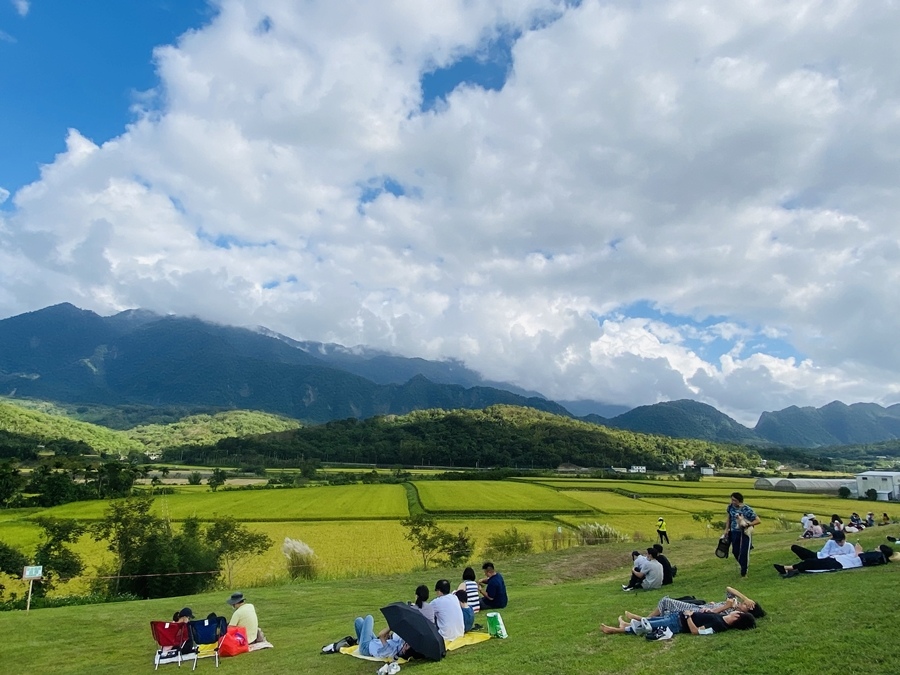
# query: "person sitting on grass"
{"points": [[468, 614], [421, 603], [470, 586], [842, 561], [814, 531], [448, 614], [650, 574], [688, 621], [493, 588], [637, 559], [245, 615], [668, 569]]}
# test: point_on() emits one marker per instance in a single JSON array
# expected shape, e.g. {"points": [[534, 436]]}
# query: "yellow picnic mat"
{"points": [[467, 639]]}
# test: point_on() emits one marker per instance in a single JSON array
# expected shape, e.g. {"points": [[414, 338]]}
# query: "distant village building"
{"points": [[636, 468], [687, 463], [708, 470], [885, 483], [618, 469], [568, 467], [822, 486]]}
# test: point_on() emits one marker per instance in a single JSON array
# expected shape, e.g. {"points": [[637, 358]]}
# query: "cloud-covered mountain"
{"points": [[70, 355]]}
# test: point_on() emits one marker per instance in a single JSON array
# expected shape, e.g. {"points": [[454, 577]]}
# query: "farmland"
{"points": [[355, 529]]}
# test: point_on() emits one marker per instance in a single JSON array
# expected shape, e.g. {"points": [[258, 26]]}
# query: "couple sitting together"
{"points": [[837, 554], [737, 612], [650, 571]]}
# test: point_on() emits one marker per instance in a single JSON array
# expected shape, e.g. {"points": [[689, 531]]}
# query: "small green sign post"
{"points": [[31, 573]]}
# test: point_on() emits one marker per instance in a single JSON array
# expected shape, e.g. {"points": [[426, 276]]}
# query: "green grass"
{"points": [[831, 624], [493, 497]]}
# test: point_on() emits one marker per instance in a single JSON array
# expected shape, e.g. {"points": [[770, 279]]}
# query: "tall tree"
{"points": [[11, 482], [60, 562], [233, 542]]}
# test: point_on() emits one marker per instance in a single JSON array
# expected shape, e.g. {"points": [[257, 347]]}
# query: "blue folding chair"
{"points": [[207, 633]]}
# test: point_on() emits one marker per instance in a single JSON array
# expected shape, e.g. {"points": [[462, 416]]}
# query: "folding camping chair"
{"points": [[207, 634], [174, 643]]}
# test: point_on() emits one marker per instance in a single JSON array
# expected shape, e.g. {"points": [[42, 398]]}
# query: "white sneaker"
{"points": [[661, 634], [383, 670], [394, 668]]}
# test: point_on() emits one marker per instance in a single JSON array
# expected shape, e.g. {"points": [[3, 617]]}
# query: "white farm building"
{"points": [[885, 483]]}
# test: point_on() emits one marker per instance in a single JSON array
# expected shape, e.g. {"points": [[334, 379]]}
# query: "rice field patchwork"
{"points": [[493, 497]]}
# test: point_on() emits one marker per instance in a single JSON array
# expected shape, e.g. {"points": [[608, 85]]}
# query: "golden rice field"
{"points": [[493, 497], [327, 502]]}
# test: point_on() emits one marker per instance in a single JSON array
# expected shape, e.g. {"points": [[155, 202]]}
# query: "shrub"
{"points": [[508, 542], [195, 478], [302, 562], [591, 534], [872, 494], [844, 492]]}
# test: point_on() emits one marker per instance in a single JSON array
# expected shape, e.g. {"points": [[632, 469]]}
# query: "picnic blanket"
{"points": [[468, 639], [207, 651]]}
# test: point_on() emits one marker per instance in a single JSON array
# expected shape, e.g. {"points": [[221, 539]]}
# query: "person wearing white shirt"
{"points": [[448, 612], [837, 554]]}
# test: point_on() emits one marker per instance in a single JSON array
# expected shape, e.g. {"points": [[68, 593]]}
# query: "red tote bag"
{"points": [[234, 642]]}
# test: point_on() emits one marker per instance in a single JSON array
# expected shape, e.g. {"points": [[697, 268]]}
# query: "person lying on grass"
{"points": [[384, 645], [811, 562], [735, 601], [691, 621]]}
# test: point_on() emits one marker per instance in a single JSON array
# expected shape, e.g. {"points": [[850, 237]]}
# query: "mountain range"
{"points": [[74, 356]]}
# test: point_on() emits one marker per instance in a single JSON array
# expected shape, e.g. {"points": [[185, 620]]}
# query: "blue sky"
{"points": [[77, 64], [594, 200]]}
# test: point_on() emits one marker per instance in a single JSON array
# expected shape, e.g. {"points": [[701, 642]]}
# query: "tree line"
{"points": [[152, 558], [498, 436]]}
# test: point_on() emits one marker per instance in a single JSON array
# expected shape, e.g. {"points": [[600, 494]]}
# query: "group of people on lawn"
{"points": [[453, 612], [812, 528], [737, 611]]}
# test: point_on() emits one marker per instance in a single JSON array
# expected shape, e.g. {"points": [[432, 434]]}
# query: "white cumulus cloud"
{"points": [[684, 200]]}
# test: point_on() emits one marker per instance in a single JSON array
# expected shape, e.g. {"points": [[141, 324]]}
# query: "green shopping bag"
{"points": [[495, 625]]}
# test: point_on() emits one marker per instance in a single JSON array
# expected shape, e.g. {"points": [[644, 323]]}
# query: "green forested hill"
{"points": [[40, 423], [497, 436], [44, 427], [206, 429]]}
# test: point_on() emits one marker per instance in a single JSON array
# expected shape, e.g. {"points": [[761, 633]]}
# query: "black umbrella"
{"points": [[417, 631]]}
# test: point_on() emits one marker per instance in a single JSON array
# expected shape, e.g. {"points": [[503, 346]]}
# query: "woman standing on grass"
{"points": [[738, 528]]}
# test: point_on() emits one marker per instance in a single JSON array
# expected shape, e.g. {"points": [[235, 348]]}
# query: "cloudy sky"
{"points": [[628, 202]]}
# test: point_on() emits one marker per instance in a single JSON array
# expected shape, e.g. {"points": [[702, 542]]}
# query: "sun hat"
{"points": [[235, 599]]}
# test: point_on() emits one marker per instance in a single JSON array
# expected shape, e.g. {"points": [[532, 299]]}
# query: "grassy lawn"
{"points": [[817, 624]]}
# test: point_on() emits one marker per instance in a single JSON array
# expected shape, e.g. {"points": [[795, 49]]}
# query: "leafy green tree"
{"points": [[11, 482], [232, 542], [12, 561], [430, 540], [60, 563], [844, 492], [462, 549], [152, 561], [126, 526], [217, 479]]}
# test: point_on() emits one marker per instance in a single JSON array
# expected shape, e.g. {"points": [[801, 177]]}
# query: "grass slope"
{"points": [[831, 624]]}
